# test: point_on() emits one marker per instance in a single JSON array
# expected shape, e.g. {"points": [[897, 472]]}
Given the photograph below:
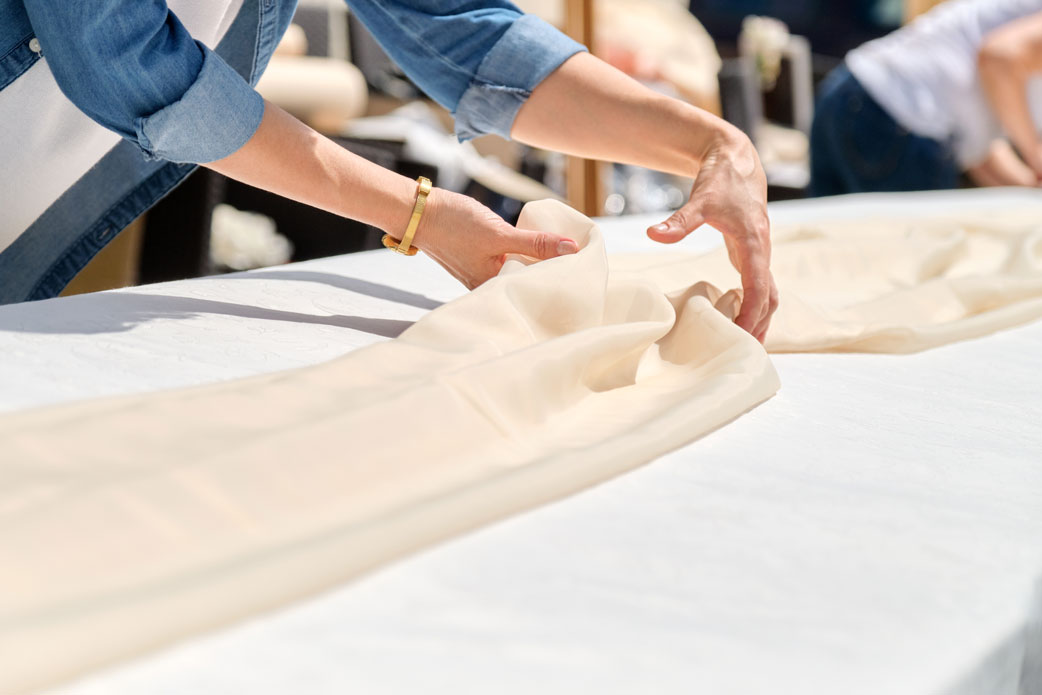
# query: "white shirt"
{"points": [[925, 74]]}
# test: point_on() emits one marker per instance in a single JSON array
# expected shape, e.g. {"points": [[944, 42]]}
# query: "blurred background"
{"points": [[754, 62]]}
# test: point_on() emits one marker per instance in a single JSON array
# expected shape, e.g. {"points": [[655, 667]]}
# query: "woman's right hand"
{"points": [[1003, 167], [471, 242], [286, 157]]}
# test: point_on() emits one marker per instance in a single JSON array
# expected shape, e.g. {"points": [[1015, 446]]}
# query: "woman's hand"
{"points": [[730, 193], [471, 242], [589, 109], [1002, 167], [465, 237]]}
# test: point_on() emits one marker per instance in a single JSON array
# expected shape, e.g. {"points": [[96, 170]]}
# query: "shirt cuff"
{"points": [[218, 113], [523, 57]]}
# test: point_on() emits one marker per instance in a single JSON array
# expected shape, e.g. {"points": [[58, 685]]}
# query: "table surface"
{"points": [[874, 528]]}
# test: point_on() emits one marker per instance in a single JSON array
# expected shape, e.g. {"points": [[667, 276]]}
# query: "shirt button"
{"points": [[34, 45]]}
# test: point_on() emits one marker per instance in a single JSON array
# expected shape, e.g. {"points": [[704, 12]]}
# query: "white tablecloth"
{"points": [[874, 528]]}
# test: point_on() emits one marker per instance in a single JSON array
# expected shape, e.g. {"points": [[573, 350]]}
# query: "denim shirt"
{"points": [[135, 69]]}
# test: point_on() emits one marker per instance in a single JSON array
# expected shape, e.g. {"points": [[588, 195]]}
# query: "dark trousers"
{"points": [[856, 146]]}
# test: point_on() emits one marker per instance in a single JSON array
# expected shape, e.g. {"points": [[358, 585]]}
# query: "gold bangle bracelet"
{"points": [[405, 245]]}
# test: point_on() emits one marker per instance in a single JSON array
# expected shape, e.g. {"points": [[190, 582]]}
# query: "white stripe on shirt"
{"points": [[48, 143]]}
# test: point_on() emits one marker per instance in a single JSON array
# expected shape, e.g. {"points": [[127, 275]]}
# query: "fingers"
{"points": [[478, 256], [758, 290], [755, 299], [679, 225], [765, 322], [541, 245], [760, 296]]}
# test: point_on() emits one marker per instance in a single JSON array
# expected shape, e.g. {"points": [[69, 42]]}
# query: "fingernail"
{"points": [[661, 227], [566, 246]]}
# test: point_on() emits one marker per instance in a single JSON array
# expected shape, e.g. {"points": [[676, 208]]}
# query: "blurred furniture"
{"points": [[833, 28], [322, 92], [583, 178], [914, 8], [176, 244], [782, 145], [662, 43], [325, 24]]}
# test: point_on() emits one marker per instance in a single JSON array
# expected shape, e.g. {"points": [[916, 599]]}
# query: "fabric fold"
{"points": [[881, 285]]}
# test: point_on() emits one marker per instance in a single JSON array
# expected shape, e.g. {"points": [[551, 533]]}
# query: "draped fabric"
{"points": [[883, 285], [128, 522]]}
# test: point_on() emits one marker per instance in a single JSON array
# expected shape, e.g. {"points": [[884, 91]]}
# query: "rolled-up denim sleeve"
{"points": [[480, 60], [135, 69]]}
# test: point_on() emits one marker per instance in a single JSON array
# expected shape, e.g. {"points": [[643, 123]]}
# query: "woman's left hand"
{"points": [[590, 109], [730, 194]]}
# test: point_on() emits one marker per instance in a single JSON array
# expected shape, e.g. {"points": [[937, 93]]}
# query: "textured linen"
{"points": [[130, 522]]}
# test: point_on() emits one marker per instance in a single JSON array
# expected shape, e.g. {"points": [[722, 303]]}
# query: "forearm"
{"points": [[470, 241], [1005, 61], [589, 109], [286, 157], [1004, 82], [135, 69], [1002, 168]]}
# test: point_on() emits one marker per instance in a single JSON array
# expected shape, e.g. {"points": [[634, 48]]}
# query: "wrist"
{"points": [[394, 211], [729, 144], [710, 137], [405, 241]]}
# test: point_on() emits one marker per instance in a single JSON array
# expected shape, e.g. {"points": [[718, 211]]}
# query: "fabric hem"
{"points": [[187, 131]]}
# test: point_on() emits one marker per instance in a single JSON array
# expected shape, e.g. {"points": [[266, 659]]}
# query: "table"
{"points": [[874, 528]]}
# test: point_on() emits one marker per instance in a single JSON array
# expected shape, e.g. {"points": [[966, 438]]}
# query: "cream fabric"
{"points": [[883, 284], [134, 521], [323, 92]]}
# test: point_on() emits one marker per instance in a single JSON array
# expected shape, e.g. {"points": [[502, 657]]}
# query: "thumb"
{"points": [[541, 245], [679, 225]]}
